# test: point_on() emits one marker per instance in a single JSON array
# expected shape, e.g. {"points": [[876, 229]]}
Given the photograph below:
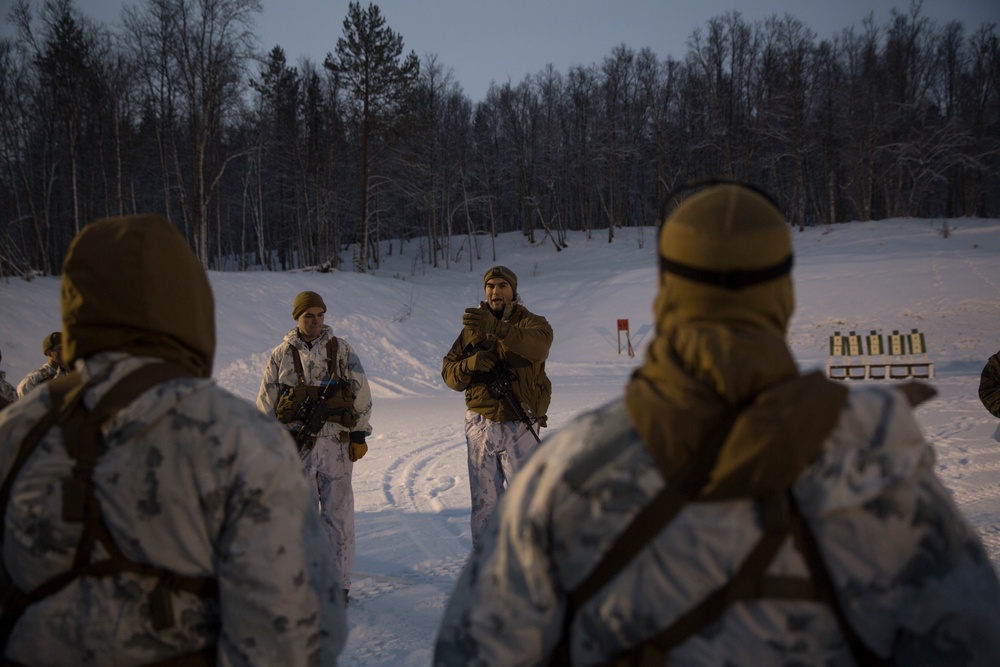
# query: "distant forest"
{"points": [[264, 164]]}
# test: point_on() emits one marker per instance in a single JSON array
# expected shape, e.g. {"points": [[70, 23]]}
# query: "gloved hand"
{"points": [[480, 362], [483, 321], [357, 447]]}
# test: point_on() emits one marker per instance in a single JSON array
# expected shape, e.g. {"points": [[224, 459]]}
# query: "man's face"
{"points": [[498, 294], [55, 356], [311, 323]]}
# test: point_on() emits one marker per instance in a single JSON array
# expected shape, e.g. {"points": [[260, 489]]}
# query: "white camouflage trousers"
{"points": [[329, 469], [497, 450]]}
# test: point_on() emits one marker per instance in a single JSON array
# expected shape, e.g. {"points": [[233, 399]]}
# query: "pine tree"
{"points": [[378, 81]]}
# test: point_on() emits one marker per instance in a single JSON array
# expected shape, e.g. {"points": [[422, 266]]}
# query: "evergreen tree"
{"points": [[378, 81]]}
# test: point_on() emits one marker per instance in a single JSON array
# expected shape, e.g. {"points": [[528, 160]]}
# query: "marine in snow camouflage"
{"points": [[37, 377], [194, 481], [911, 574], [328, 464], [719, 388], [497, 442]]}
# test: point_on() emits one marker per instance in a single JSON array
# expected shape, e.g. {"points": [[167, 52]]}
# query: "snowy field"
{"points": [[412, 495]]}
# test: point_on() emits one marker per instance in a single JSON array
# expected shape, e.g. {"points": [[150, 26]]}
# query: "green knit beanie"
{"points": [[304, 301], [501, 272]]}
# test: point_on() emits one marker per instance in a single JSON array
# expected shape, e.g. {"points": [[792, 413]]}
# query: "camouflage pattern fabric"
{"points": [[328, 466], [498, 444], [330, 470], [7, 391], [989, 385], [911, 574], [37, 377], [196, 482], [497, 451]]}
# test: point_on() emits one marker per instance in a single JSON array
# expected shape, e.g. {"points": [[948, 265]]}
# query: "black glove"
{"points": [[482, 320], [481, 362]]}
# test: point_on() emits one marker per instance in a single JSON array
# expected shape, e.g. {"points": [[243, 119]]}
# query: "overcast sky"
{"points": [[500, 40]]}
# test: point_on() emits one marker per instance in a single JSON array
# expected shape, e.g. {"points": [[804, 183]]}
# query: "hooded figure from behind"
{"points": [[728, 510], [151, 516]]}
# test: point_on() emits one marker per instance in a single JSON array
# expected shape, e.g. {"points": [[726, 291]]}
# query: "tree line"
{"points": [[268, 165]]}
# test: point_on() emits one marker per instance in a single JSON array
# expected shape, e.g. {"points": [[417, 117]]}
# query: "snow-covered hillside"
{"points": [[412, 491]]}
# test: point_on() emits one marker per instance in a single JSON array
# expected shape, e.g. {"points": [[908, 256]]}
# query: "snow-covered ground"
{"points": [[412, 488]]}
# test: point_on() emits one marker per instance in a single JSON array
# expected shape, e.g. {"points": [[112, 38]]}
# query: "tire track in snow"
{"points": [[414, 484], [418, 477]]}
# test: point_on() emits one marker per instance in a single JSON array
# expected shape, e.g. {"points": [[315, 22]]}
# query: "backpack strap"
{"points": [[749, 582], [331, 356], [64, 392], [646, 525], [780, 518], [809, 547], [85, 444], [297, 361]]}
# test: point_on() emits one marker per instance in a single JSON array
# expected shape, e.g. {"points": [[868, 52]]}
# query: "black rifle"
{"points": [[313, 413], [498, 384]]}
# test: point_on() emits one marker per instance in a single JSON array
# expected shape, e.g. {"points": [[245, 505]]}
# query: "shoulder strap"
{"points": [[748, 582], [64, 392], [297, 361], [331, 360], [646, 525], [806, 541], [780, 518], [331, 356], [650, 521]]}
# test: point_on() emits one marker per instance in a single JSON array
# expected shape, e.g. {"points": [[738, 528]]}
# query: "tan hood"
{"points": [[132, 284], [720, 349]]}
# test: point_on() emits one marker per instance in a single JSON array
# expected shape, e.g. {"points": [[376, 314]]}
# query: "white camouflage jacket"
{"points": [[37, 377], [280, 370], [194, 481], [912, 575]]}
